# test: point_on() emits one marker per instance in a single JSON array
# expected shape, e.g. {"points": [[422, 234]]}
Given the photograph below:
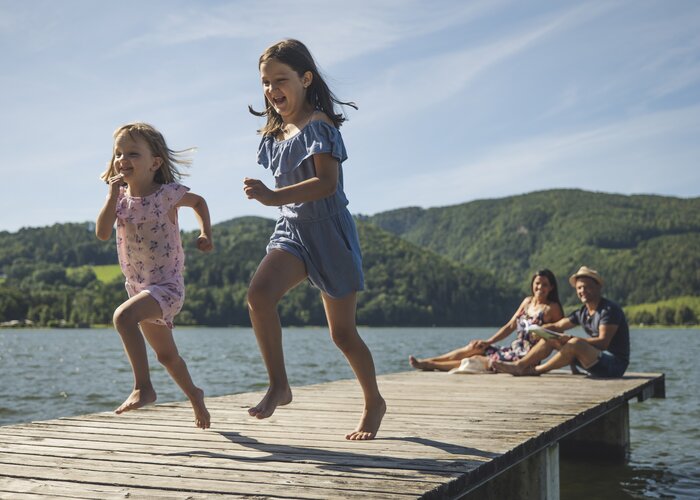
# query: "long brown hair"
{"points": [[171, 159], [294, 54], [553, 295]]}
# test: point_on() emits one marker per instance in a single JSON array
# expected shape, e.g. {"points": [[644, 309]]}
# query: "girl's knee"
{"points": [[260, 297], [168, 358], [344, 338], [124, 318]]}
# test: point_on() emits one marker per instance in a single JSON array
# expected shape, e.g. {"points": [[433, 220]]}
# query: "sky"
{"points": [[458, 100]]}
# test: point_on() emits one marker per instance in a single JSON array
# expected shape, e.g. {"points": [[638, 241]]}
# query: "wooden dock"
{"points": [[444, 436]]}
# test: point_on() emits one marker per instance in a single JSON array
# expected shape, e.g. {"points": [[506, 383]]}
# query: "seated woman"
{"points": [[541, 307]]}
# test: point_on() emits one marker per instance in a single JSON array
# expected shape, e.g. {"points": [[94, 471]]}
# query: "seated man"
{"points": [[605, 353]]}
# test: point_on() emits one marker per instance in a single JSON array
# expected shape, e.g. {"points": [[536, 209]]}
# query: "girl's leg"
{"points": [[126, 320], [160, 337], [278, 272], [341, 321]]}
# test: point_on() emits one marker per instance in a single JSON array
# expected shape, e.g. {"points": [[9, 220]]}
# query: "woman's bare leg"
{"points": [[445, 361]]}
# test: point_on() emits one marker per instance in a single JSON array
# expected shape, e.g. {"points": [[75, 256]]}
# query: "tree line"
{"points": [[52, 283], [467, 264], [647, 248]]}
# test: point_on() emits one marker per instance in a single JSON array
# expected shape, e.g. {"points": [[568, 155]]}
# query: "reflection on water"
{"points": [[48, 374]]}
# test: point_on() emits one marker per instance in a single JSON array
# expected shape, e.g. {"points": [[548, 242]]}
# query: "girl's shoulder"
{"points": [[318, 136], [320, 116], [151, 207], [172, 192]]}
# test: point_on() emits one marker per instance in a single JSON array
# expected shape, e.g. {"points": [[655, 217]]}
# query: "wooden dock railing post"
{"points": [[606, 438], [534, 478]]}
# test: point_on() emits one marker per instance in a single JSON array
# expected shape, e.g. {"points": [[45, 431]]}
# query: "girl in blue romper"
{"points": [[315, 237]]}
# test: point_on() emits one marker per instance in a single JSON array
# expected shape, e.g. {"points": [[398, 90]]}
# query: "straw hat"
{"points": [[585, 272]]}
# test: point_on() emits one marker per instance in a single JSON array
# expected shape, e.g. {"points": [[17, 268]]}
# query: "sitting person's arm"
{"points": [[506, 329], [552, 314], [560, 326], [606, 332]]}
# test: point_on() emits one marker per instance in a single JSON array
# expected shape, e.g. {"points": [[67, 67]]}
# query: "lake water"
{"points": [[47, 374]]}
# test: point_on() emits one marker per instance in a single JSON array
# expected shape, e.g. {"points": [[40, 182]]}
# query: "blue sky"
{"points": [[458, 100]]}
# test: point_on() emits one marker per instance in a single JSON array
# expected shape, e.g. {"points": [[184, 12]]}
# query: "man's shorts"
{"points": [[607, 366]]}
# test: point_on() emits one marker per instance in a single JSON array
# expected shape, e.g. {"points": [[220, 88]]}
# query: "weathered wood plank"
{"points": [[443, 435]]}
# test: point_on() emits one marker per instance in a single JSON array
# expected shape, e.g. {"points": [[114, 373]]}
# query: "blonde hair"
{"points": [[171, 159]]}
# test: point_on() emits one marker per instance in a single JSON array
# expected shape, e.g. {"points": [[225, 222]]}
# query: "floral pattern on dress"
{"points": [[524, 340], [149, 246]]}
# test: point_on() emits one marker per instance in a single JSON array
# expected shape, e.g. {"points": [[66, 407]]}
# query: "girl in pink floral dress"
{"points": [[143, 200]]}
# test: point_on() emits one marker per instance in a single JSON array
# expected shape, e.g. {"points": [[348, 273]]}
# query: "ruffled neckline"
{"points": [[154, 193], [317, 136], [299, 132]]}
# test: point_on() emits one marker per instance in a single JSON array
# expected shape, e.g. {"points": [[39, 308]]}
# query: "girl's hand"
{"points": [[115, 183], [204, 243], [255, 189]]}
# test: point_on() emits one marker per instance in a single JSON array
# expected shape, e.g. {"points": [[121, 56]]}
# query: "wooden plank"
{"points": [[34, 489], [443, 435]]}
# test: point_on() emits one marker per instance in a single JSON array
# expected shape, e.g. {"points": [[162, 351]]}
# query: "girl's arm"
{"points": [[108, 213], [509, 327], [321, 186], [201, 212]]}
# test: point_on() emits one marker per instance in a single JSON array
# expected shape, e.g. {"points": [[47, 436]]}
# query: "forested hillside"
{"points": [[466, 264], [48, 278], [646, 247]]}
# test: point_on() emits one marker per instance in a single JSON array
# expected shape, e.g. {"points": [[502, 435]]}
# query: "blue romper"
{"points": [[320, 233]]}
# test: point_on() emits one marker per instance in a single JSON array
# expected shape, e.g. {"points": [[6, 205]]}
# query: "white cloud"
{"points": [[348, 29], [437, 79]]}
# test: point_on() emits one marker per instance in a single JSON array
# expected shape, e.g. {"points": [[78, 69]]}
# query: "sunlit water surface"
{"points": [[48, 374]]}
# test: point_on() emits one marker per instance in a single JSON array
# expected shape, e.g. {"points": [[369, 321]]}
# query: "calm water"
{"points": [[48, 374]]}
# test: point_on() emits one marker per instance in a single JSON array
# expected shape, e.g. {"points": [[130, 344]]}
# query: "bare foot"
{"points": [[369, 422], [513, 369], [270, 402], [418, 364], [201, 414], [137, 399]]}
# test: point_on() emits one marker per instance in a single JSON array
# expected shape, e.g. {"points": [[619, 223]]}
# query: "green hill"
{"points": [[466, 264], [676, 311], [49, 282], [646, 247]]}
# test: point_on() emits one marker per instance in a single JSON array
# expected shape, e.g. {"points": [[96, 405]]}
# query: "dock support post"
{"points": [[606, 438], [535, 478]]}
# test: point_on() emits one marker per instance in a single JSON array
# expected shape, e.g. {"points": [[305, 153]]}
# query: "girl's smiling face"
{"points": [[284, 89], [134, 160]]}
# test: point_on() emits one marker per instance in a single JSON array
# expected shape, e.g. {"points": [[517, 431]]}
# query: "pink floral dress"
{"points": [[149, 248]]}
